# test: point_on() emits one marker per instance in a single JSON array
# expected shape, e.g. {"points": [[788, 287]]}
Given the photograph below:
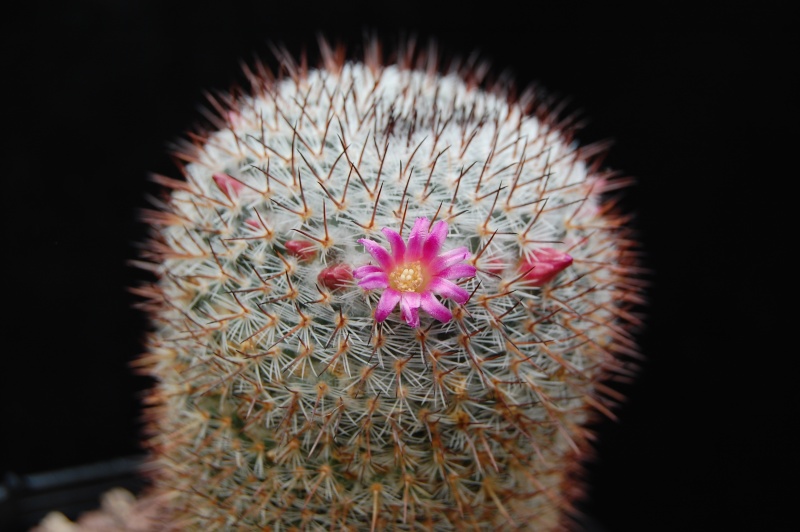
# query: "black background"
{"points": [[701, 109]]}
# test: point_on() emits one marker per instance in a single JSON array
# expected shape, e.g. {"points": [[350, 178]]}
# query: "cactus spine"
{"points": [[284, 402]]}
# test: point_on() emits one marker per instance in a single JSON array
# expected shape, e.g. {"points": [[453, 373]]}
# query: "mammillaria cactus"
{"points": [[387, 298]]}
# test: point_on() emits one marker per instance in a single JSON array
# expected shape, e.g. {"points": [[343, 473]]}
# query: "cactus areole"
{"points": [[386, 298]]}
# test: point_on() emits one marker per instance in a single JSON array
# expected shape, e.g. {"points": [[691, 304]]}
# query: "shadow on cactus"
{"points": [[388, 298]]}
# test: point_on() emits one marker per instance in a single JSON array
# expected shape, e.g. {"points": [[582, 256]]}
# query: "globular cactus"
{"points": [[387, 298]]}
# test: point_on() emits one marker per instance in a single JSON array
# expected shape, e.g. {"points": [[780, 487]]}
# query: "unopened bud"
{"points": [[336, 276], [227, 184], [544, 265], [302, 249]]}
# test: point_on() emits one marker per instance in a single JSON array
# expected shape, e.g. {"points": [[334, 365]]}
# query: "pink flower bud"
{"points": [[254, 223], [234, 119], [336, 276], [494, 265], [227, 184], [302, 249], [545, 265]]}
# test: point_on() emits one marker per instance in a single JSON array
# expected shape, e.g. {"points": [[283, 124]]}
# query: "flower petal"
{"points": [[434, 242], [374, 280], [448, 289], [378, 252], [456, 271], [447, 259], [432, 306], [398, 246], [363, 271], [388, 301], [409, 308], [416, 239]]}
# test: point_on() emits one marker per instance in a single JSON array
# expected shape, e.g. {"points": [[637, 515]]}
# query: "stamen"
{"points": [[407, 277]]}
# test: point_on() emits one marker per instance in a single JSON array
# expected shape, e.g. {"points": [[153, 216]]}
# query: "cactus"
{"points": [[388, 297]]}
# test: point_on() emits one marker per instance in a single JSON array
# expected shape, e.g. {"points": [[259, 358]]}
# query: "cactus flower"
{"points": [[412, 273]]}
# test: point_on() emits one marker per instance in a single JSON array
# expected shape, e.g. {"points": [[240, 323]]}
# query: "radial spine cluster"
{"points": [[284, 403]]}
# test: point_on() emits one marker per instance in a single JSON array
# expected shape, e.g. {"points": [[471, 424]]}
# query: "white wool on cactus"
{"points": [[292, 394]]}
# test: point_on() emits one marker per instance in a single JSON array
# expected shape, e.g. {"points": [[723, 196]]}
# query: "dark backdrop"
{"points": [[697, 103]]}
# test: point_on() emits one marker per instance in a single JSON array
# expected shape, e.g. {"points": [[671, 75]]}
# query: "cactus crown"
{"points": [[292, 393]]}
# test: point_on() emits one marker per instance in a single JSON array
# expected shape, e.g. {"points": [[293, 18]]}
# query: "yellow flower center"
{"points": [[407, 277]]}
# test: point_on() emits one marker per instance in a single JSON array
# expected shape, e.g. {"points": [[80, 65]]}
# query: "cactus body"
{"points": [[284, 402]]}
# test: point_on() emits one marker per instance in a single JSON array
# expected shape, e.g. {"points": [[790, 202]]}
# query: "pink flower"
{"points": [[545, 265], [412, 273]]}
